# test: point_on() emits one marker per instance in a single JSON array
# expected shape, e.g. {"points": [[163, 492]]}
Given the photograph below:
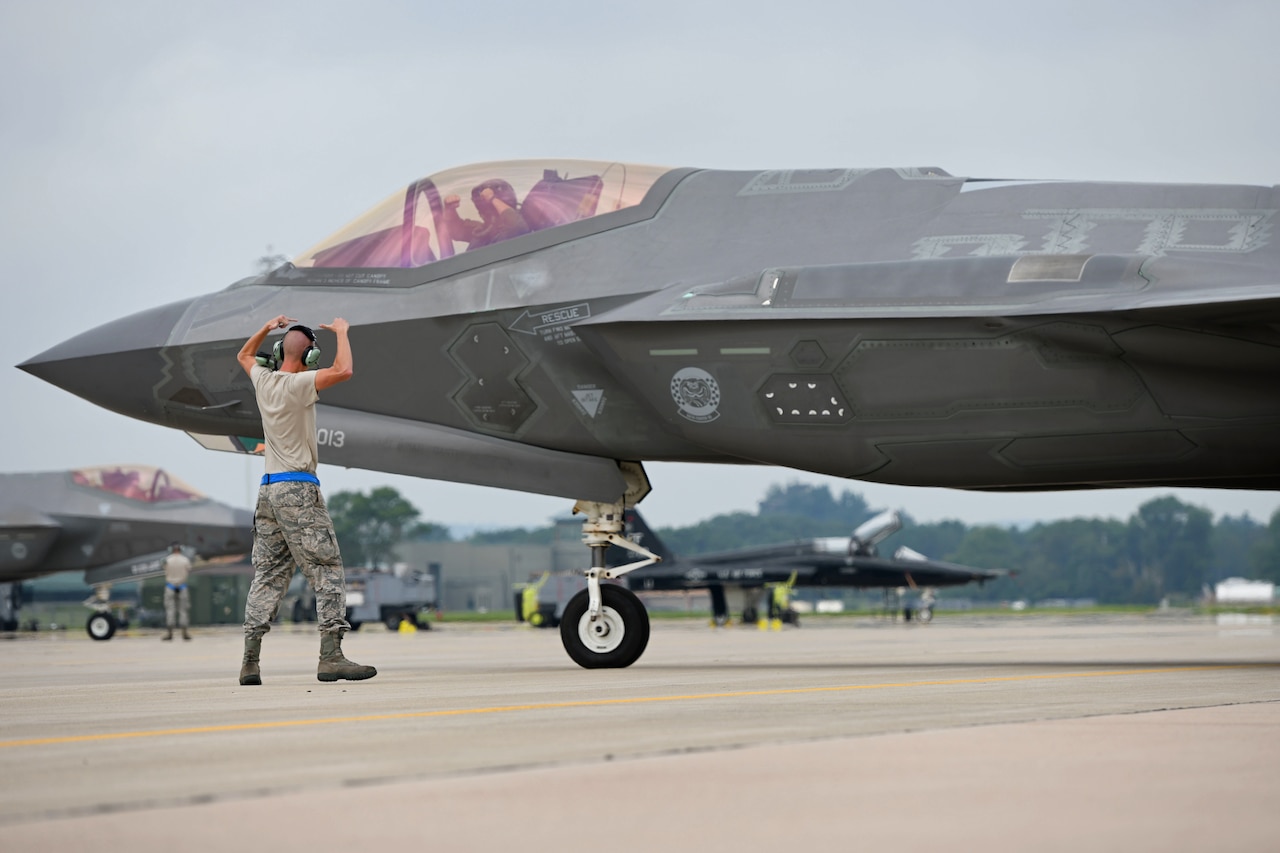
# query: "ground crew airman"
{"points": [[291, 525], [177, 601]]}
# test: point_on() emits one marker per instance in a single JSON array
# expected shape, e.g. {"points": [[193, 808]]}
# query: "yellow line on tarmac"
{"points": [[588, 703]]}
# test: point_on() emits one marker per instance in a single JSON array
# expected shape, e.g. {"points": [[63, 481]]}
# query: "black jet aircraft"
{"points": [[737, 579], [114, 523], [550, 325]]}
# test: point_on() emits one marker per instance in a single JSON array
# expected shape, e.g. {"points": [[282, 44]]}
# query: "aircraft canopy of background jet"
{"points": [[144, 483]]}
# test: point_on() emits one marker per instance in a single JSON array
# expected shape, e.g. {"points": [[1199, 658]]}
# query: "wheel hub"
{"points": [[603, 634]]}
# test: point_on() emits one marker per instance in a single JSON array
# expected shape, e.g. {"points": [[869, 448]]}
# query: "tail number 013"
{"points": [[330, 437]]}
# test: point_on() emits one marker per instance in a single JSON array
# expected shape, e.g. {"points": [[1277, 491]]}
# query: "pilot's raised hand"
{"points": [[452, 201]]}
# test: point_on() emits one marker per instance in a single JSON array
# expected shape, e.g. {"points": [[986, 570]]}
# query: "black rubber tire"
{"points": [[609, 653], [101, 626]]}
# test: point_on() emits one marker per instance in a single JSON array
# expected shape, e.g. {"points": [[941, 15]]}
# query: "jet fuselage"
{"points": [[893, 325]]}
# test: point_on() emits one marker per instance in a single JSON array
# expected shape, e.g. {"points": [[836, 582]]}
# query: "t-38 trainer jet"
{"points": [[114, 523], [550, 325]]}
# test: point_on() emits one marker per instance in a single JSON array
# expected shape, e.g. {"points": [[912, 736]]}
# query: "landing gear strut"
{"points": [[102, 622], [605, 626], [924, 613]]}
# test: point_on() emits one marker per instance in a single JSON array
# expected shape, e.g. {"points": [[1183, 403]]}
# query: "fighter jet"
{"points": [[115, 522], [737, 579], [549, 326]]}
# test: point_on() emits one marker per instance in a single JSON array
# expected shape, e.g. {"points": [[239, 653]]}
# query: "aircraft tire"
{"points": [[924, 615], [101, 626], [617, 641]]}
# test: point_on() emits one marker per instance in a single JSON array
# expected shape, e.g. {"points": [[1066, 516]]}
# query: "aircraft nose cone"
{"points": [[115, 365]]}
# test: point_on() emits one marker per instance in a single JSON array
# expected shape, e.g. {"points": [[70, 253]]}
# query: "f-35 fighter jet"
{"points": [[114, 523], [550, 325]]}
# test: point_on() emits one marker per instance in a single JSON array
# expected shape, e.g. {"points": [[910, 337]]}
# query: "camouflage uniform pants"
{"points": [[177, 606], [291, 528]]}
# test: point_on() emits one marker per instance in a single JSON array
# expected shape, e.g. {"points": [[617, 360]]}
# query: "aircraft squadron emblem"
{"points": [[697, 394]]}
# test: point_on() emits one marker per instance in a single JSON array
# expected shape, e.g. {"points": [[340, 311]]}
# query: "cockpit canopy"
{"points": [[137, 482], [469, 207]]}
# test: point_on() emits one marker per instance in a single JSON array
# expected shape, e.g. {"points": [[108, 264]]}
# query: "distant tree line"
{"points": [[1167, 549]]}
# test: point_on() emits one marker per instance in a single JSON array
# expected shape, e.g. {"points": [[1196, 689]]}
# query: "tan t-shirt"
{"points": [[288, 405], [176, 568]]}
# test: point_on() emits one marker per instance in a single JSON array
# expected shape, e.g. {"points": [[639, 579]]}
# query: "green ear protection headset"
{"points": [[310, 356]]}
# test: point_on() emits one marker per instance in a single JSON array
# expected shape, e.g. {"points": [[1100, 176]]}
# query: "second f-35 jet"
{"points": [[550, 325], [112, 522]]}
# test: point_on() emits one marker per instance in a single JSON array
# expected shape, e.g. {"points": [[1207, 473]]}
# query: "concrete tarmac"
{"points": [[1013, 733]]}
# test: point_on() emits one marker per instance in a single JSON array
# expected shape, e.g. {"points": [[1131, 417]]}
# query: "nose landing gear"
{"points": [[605, 626], [102, 622]]}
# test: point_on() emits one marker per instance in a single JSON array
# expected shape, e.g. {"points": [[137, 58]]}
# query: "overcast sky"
{"points": [[152, 151]]}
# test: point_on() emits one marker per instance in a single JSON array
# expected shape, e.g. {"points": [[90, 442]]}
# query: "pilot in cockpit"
{"points": [[495, 201]]}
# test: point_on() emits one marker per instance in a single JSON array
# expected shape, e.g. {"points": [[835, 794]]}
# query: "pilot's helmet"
{"points": [[501, 190]]}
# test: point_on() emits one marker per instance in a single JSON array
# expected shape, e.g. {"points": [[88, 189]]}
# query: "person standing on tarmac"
{"points": [[291, 524], [177, 602]]}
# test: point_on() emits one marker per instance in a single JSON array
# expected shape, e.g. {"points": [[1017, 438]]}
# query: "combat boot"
{"points": [[168, 634], [333, 665], [249, 672], [186, 635]]}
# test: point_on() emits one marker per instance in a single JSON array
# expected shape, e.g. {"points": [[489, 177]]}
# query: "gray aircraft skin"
{"points": [[113, 523], [837, 562], [893, 325]]}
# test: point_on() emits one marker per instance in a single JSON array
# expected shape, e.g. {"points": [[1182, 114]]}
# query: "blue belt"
{"points": [[290, 477], [176, 587]]}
